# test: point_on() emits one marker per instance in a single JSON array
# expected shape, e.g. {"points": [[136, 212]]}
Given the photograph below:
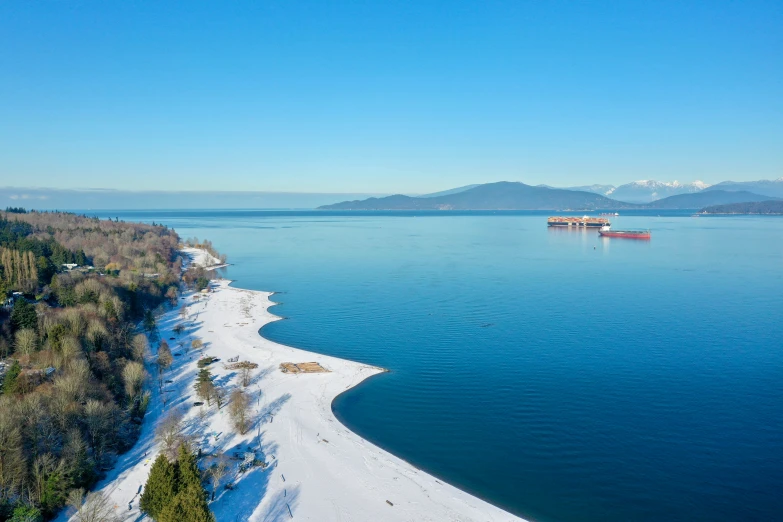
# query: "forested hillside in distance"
{"points": [[71, 356], [502, 195], [756, 207]]}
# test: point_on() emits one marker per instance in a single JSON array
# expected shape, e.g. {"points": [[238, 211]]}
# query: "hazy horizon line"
{"points": [[340, 192]]}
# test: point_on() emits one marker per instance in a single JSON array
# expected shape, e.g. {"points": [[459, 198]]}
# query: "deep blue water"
{"points": [[558, 375]]}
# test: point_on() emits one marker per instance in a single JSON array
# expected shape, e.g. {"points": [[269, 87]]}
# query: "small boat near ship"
{"points": [[578, 222], [609, 214], [628, 234]]}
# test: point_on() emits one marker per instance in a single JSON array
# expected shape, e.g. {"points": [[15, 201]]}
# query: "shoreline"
{"points": [[424, 513], [316, 468]]}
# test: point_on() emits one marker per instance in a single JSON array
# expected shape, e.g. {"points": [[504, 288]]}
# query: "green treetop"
{"points": [[161, 487], [189, 505]]}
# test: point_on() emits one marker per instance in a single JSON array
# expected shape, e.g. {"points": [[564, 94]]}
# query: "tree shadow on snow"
{"points": [[251, 487], [282, 506], [223, 380], [269, 411], [261, 375]]}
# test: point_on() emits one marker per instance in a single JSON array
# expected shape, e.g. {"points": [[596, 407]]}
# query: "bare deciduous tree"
{"points": [[205, 391], [239, 409], [13, 468], [133, 375], [245, 370], [140, 347], [219, 394], [99, 419], [164, 357], [70, 349], [26, 341], [74, 383], [171, 295], [164, 361], [93, 507], [169, 432], [75, 321], [217, 471], [43, 466]]}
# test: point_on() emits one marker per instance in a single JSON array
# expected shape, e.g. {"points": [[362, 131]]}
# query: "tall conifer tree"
{"points": [[189, 505], [189, 474], [161, 487]]}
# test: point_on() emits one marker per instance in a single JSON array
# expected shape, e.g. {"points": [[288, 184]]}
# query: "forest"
{"points": [[72, 398], [752, 207]]}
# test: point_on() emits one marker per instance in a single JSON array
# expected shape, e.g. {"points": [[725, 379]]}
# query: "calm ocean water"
{"points": [[558, 375]]}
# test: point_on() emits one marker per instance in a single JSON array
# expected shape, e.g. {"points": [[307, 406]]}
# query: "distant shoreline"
{"points": [[772, 207]]}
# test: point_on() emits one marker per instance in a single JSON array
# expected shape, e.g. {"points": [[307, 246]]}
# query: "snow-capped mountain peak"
{"points": [[651, 183], [647, 190]]}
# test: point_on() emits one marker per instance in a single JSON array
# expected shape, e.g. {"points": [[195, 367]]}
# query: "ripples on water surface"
{"points": [[561, 376]]}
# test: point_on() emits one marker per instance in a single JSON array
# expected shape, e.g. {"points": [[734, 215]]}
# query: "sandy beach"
{"points": [[316, 469]]}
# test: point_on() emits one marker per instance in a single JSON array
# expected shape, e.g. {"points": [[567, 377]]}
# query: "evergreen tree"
{"points": [[11, 376], [204, 386], [53, 494], [189, 474], [189, 505], [23, 315], [26, 514], [202, 283], [161, 488], [149, 320]]}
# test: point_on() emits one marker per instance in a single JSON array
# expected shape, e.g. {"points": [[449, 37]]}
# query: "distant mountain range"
{"points": [[604, 190], [644, 191], [706, 198], [647, 191], [639, 194], [490, 196], [773, 188], [448, 192], [519, 196]]}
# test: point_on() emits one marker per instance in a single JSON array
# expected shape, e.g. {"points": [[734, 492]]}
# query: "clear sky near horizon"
{"points": [[387, 96]]}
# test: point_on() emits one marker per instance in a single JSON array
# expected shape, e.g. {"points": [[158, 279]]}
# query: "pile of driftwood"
{"points": [[305, 367]]}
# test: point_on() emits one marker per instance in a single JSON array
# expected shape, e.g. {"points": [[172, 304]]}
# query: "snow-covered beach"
{"points": [[316, 469], [198, 257]]}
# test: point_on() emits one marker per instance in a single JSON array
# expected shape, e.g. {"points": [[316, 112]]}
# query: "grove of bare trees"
{"points": [[73, 395]]}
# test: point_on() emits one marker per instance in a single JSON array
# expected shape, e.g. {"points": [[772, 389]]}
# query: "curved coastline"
{"points": [[363, 380], [314, 467], [352, 388], [283, 318]]}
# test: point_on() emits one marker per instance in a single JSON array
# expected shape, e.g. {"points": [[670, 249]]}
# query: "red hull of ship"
{"points": [[628, 235]]}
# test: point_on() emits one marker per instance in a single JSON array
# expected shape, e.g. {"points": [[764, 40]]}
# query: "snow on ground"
{"points": [[318, 469], [200, 257]]}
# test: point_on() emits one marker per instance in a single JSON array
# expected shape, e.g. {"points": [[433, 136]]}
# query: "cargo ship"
{"points": [[628, 234], [578, 222]]}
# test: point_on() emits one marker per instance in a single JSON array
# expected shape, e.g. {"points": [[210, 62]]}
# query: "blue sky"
{"points": [[390, 96]]}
